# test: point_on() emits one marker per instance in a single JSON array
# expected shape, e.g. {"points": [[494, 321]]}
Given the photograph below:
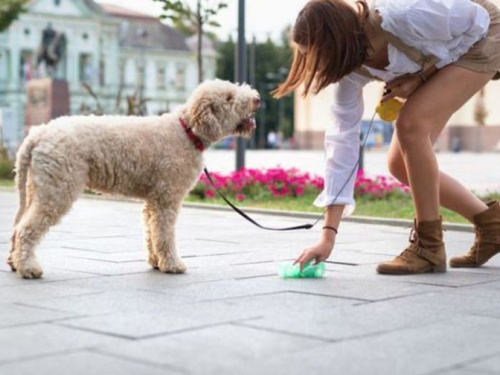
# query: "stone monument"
{"points": [[48, 97]]}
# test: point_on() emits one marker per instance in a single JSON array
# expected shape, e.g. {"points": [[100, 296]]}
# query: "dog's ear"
{"points": [[202, 117]]}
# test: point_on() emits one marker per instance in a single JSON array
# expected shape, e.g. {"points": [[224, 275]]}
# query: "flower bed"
{"points": [[276, 183]]}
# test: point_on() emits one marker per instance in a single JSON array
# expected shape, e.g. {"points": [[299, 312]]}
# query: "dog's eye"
{"points": [[212, 108], [229, 97]]}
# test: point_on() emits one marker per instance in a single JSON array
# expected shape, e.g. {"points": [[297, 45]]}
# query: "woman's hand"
{"points": [[319, 252], [402, 87]]}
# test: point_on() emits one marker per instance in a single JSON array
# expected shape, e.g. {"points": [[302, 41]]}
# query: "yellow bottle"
{"points": [[389, 110]]}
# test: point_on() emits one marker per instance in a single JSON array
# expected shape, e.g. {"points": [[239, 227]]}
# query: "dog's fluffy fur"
{"points": [[151, 158]]}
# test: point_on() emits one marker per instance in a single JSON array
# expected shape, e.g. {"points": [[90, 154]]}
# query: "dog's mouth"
{"points": [[247, 125]]}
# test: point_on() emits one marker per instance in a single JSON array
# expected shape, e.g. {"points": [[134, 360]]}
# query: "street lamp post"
{"points": [[241, 76]]}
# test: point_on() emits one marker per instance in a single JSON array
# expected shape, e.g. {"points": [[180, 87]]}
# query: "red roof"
{"points": [[118, 11]]}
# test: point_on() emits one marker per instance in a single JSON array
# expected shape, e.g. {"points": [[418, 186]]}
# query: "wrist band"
{"points": [[331, 228]]}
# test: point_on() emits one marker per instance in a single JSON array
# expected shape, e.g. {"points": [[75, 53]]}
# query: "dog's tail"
{"points": [[23, 161]]}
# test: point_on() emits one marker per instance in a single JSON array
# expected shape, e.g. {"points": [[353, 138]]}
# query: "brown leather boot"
{"points": [[487, 242], [425, 253]]}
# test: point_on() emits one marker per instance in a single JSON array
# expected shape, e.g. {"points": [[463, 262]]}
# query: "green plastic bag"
{"points": [[310, 271]]}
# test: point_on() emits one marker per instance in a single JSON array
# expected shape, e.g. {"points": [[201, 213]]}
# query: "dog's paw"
{"points": [[153, 262], [172, 267], [29, 270], [10, 262]]}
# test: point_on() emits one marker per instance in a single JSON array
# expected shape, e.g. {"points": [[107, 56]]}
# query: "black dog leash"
{"points": [[305, 226]]}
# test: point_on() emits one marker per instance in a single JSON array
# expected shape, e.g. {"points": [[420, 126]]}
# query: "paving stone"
{"points": [[348, 286], [176, 318], [224, 349], [491, 365], [463, 371], [367, 319], [15, 315], [84, 363], [19, 343], [415, 351], [231, 313], [30, 291]]}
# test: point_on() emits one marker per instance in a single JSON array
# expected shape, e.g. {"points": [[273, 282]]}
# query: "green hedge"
{"points": [[6, 165]]}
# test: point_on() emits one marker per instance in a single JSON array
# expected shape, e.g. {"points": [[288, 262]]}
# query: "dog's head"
{"points": [[218, 109]]}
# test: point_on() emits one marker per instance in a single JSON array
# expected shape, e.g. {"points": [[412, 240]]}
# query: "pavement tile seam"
{"points": [[96, 331], [454, 286], [38, 356], [141, 361], [464, 365], [240, 296], [361, 300], [159, 334], [43, 321], [381, 332], [283, 332], [342, 263], [108, 261], [80, 271], [217, 241], [253, 277]]}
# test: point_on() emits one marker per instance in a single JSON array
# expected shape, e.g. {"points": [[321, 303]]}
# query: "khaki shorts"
{"points": [[484, 56]]}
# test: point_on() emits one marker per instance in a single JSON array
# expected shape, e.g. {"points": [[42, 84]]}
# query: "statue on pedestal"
{"points": [[51, 50]]}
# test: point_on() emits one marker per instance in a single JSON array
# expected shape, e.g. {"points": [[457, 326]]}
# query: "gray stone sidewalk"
{"points": [[100, 310]]}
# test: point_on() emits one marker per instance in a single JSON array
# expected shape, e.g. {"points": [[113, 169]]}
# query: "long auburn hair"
{"points": [[333, 34]]}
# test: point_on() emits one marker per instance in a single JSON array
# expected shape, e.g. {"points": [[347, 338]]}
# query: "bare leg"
{"points": [[452, 194], [421, 120], [163, 219]]}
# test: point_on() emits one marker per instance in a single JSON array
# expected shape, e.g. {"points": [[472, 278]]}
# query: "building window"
{"points": [[27, 32], [57, 2], [180, 77], [160, 78], [141, 76], [102, 72], [26, 66], [85, 68]]}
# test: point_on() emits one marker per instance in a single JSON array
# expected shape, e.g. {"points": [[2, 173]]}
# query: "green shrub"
{"points": [[6, 165]]}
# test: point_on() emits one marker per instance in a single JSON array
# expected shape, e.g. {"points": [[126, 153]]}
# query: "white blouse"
{"points": [[446, 29]]}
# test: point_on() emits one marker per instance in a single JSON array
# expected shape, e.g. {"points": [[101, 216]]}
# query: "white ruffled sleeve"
{"points": [[342, 143], [446, 29]]}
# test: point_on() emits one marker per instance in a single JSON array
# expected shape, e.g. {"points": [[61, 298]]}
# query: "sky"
{"points": [[261, 18]]}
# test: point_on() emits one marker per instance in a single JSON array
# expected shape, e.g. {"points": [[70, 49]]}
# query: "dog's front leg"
{"points": [[148, 234], [162, 223]]}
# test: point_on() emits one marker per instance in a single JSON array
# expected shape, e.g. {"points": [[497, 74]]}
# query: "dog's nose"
{"points": [[256, 102]]}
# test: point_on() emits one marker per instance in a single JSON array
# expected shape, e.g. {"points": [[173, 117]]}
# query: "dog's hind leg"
{"points": [[163, 219], [146, 216], [48, 205], [34, 224]]}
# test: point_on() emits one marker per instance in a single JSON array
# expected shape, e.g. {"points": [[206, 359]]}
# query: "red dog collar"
{"points": [[194, 139]]}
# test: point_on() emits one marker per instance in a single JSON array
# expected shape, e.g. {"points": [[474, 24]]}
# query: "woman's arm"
{"points": [[342, 153], [403, 87], [323, 248]]}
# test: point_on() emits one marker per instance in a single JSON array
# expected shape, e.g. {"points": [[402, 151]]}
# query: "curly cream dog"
{"points": [[152, 158]]}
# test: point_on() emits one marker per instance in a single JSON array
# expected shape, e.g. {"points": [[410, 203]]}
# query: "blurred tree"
{"points": [[190, 21], [272, 64], [9, 11]]}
